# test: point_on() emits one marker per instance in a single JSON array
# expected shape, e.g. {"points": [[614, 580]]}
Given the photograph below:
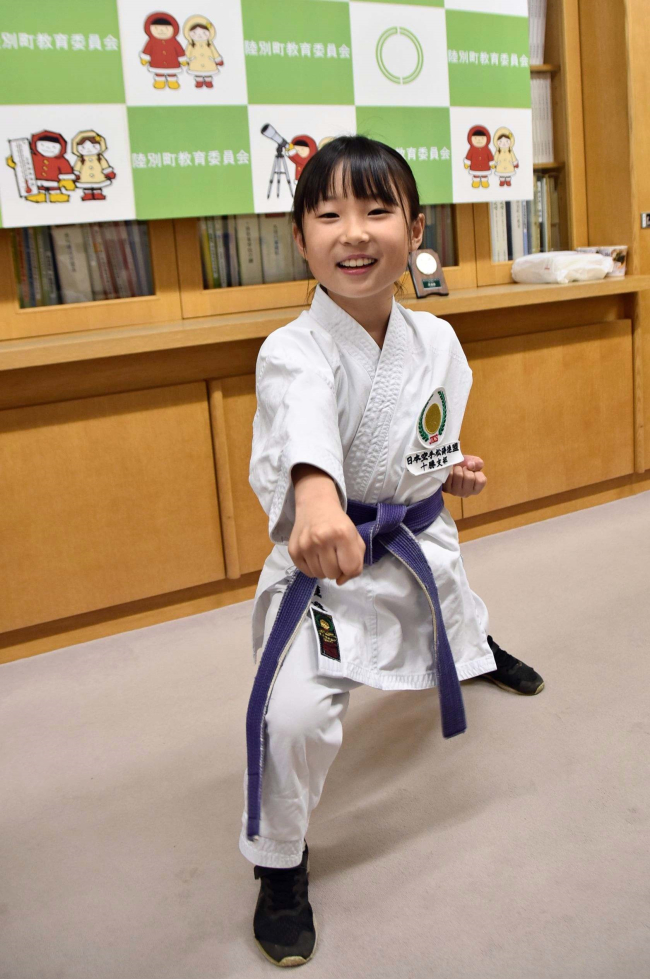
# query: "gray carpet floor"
{"points": [[518, 851]]}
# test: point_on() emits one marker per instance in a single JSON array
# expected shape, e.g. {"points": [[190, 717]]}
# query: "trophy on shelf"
{"points": [[279, 168]]}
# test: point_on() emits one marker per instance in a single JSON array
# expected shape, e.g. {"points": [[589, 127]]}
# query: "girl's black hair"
{"points": [[369, 170]]}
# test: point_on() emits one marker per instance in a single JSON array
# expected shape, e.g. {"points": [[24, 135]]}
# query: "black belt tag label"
{"points": [[328, 641]]}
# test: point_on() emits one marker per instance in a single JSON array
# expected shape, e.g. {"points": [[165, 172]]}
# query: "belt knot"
{"points": [[388, 517]]}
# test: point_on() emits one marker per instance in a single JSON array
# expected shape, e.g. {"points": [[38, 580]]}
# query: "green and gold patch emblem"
{"points": [[328, 641], [433, 418]]}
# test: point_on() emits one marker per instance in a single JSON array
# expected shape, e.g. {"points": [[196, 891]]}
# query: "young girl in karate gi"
{"points": [[357, 430]]}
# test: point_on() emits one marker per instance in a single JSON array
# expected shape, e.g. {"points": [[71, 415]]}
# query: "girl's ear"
{"points": [[417, 232], [299, 240]]}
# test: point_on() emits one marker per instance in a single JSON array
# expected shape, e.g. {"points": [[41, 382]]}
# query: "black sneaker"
{"points": [[512, 674], [283, 925]]}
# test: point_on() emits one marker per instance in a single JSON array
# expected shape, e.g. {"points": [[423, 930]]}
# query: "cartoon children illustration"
{"points": [[506, 163], [163, 54], [47, 174], [479, 160], [300, 151], [91, 167], [203, 59]]}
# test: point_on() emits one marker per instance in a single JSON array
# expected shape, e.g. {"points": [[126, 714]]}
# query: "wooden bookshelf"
{"points": [[562, 49], [64, 318], [198, 301]]}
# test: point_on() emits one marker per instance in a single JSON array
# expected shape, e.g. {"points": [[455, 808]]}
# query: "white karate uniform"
{"points": [[327, 395]]}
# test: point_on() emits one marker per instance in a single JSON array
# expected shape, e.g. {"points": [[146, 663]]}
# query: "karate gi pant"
{"points": [[304, 726]]}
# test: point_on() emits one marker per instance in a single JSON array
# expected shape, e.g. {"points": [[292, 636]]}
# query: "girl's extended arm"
{"points": [[324, 542]]}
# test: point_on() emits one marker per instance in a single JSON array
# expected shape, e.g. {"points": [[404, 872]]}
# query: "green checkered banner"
{"points": [[114, 110]]}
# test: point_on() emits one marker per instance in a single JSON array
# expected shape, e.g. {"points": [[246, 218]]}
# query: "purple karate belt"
{"points": [[384, 527]]}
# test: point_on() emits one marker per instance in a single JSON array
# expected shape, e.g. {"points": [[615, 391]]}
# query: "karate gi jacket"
{"points": [[327, 395]]}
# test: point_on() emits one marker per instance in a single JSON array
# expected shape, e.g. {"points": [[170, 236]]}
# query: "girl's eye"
{"points": [[328, 214], [379, 210]]}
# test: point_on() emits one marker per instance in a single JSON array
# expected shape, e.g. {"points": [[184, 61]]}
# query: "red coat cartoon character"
{"points": [[300, 151], [506, 163], [47, 174], [479, 160], [162, 54], [203, 59], [91, 166]]}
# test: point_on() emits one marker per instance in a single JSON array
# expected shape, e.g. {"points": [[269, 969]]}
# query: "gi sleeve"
{"points": [[296, 422]]}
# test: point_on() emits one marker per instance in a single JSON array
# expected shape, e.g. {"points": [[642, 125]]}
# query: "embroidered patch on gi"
{"points": [[328, 641], [419, 461], [433, 418]]}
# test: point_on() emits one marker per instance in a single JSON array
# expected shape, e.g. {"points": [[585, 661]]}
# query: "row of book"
{"points": [[520, 228], [79, 263], [536, 30], [248, 250], [255, 249], [542, 113]]}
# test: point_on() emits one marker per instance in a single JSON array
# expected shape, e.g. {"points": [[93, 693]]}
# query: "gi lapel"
{"points": [[386, 368], [369, 450]]}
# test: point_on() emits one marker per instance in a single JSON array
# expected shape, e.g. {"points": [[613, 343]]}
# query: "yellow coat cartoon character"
{"points": [[507, 163], [203, 58], [92, 168]]}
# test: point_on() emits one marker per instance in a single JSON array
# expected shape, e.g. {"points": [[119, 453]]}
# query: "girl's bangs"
{"points": [[353, 174]]}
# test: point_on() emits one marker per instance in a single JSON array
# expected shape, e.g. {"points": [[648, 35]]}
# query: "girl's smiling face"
{"points": [[199, 33], [357, 247], [503, 142]]}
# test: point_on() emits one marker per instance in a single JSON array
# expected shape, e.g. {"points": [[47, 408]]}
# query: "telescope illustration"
{"points": [[279, 167]]}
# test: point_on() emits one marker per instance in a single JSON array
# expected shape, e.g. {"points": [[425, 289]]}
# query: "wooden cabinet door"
{"points": [[245, 525], [550, 412], [105, 500]]}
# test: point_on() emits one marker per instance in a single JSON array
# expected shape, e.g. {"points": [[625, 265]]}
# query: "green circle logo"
{"points": [[379, 54]]}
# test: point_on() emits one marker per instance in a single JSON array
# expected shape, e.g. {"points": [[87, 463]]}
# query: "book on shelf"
{"points": [[556, 236], [277, 247], [213, 277], [96, 281], [519, 228], [33, 267], [248, 249], [536, 30], [517, 210], [72, 264], [49, 284], [141, 260], [77, 263], [114, 260], [230, 232], [128, 259], [108, 286], [542, 116], [223, 257]]}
